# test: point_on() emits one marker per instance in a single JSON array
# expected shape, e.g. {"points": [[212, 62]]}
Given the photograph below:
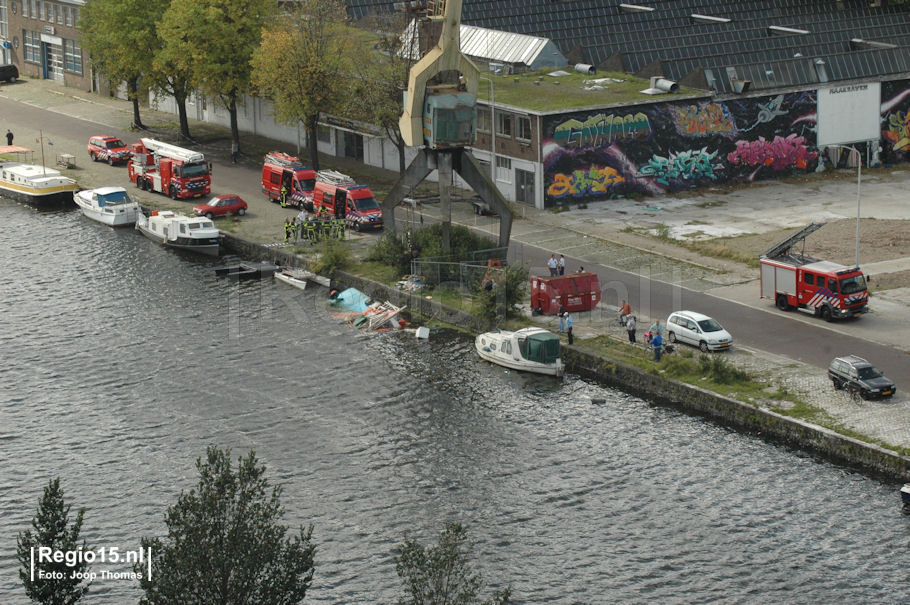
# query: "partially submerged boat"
{"points": [[247, 270], [528, 349], [299, 278], [109, 205], [33, 183], [360, 311], [195, 234]]}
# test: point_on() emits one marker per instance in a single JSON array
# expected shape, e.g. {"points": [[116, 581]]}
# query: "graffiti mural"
{"points": [[778, 154], [664, 147], [600, 129], [707, 119], [686, 165], [582, 182], [895, 112]]}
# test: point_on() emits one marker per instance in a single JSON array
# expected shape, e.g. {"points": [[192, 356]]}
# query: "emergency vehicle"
{"points": [[174, 171], [336, 194], [281, 169], [108, 149], [797, 281]]}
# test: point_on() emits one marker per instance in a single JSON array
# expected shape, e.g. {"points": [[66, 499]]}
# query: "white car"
{"points": [[697, 330]]}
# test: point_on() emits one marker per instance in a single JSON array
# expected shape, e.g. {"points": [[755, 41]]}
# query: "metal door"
{"points": [[524, 186]]}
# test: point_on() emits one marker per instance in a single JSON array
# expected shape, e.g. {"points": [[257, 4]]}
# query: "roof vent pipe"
{"points": [[664, 84], [585, 68]]}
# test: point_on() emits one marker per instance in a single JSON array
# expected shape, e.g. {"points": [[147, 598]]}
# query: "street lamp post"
{"points": [[492, 129], [859, 171]]}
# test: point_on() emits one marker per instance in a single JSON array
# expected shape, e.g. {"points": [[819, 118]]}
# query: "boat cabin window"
{"points": [[507, 348], [182, 228]]}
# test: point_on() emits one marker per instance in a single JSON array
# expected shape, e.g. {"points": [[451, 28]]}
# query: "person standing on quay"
{"points": [[630, 328], [569, 327], [562, 318], [552, 264], [9, 136], [235, 151], [562, 264]]}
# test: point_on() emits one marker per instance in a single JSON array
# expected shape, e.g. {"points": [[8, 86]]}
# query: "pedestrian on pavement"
{"points": [[553, 264], [655, 329], [630, 328], [656, 343], [9, 136], [569, 327], [625, 310], [562, 318], [562, 264], [235, 151]]}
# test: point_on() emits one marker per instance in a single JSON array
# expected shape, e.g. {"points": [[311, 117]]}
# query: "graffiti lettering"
{"points": [[600, 130], [593, 181], [899, 131], [692, 164], [779, 154], [705, 120]]}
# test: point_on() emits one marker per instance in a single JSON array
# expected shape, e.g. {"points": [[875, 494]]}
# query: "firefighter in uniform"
{"points": [[284, 196], [287, 230]]}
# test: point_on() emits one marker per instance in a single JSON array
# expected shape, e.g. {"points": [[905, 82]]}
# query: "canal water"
{"points": [[122, 361]]}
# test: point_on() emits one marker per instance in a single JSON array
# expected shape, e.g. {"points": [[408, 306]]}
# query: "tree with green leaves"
{"points": [[49, 581], [226, 543], [382, 76], [213, 40], [120, 37], [497, 298], [302, 65], [442, 574], [170, 77]]}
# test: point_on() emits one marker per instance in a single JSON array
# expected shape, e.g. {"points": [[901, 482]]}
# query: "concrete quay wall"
{"points": [[654, 387]]}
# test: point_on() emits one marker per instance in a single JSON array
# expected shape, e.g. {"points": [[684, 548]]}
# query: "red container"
{"points": [[576, 292]]}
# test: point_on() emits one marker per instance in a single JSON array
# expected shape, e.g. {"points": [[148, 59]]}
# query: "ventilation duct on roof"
{"points": [[660, 86], [740, 86]]}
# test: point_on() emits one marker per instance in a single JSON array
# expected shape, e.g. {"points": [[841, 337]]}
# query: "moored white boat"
{"points": [[34, 184], [528, 349], [195, 234], [109, 205]]}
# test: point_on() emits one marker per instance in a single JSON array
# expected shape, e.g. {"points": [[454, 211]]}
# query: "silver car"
{"points": [[698, 330]]}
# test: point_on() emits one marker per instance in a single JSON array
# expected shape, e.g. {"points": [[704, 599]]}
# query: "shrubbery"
{"points": [[399, 250]]}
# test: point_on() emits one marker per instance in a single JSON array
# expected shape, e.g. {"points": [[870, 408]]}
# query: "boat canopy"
{"points": [[542, 347], [112, 198]]}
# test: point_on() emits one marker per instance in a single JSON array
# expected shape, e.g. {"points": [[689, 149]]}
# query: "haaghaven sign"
{"points": [[849, 114]]}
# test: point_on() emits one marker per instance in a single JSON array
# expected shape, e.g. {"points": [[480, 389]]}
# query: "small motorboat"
{"points": [[109, 205], [195, 234], [905, 494], [33, 183], [528, 349], [294, 277], [247, 270]]}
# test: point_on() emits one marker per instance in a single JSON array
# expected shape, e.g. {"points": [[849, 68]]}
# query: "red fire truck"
{"points": [[336, 195], [796, 281], [283, 170], [168, 169]]}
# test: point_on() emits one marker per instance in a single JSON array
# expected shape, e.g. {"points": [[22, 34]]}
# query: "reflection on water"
{"points": [[122, 361]]}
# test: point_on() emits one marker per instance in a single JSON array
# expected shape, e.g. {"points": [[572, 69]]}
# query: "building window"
{"points": [[483, 119], [58, 14], [48, 12], [72, 56], [504, 124], [523, 128], [323, 134], [503, 169], [75, 16], [35, 14], [3, 20], [31, 46], [67, 12]]}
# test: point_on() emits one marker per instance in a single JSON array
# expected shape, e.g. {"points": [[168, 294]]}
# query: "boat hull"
{"points": [[117, 217], [206, 246], [297, 279], [38, 198], [905, 494], [495, 355]]}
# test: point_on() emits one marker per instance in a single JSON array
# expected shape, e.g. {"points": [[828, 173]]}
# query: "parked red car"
{"points": [[221, 205], [109, 149]]}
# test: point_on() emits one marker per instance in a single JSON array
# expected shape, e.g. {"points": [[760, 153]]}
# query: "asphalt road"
{"points": [[754, 328]]}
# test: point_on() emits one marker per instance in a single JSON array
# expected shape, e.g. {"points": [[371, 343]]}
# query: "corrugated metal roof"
{"points": [[500, 46]]}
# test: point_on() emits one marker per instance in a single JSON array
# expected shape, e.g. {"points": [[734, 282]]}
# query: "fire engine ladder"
{"points": [[172, 151], [333, 177], [783, 248], [283, 160]]}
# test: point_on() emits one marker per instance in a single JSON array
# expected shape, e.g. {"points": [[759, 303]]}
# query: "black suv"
{"points": [[855, 374], [10, 73]]}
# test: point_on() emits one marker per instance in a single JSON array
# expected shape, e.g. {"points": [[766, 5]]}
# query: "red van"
{"points": [[281, 169], [354, 203]]}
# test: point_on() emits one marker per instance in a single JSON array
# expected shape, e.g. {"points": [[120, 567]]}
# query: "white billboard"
{"points": [[850, 113]]}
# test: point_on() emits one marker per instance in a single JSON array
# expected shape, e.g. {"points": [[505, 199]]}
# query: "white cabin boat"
{"points": [[192, 233], [529, 349], [109, 205], [34, 184]]}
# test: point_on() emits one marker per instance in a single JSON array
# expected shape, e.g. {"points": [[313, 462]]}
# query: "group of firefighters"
{"points": [[311, 227]]}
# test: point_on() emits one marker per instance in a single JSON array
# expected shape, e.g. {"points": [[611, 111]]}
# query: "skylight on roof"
{"points": [[635, 8], [779, 30], [708, 19]]}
